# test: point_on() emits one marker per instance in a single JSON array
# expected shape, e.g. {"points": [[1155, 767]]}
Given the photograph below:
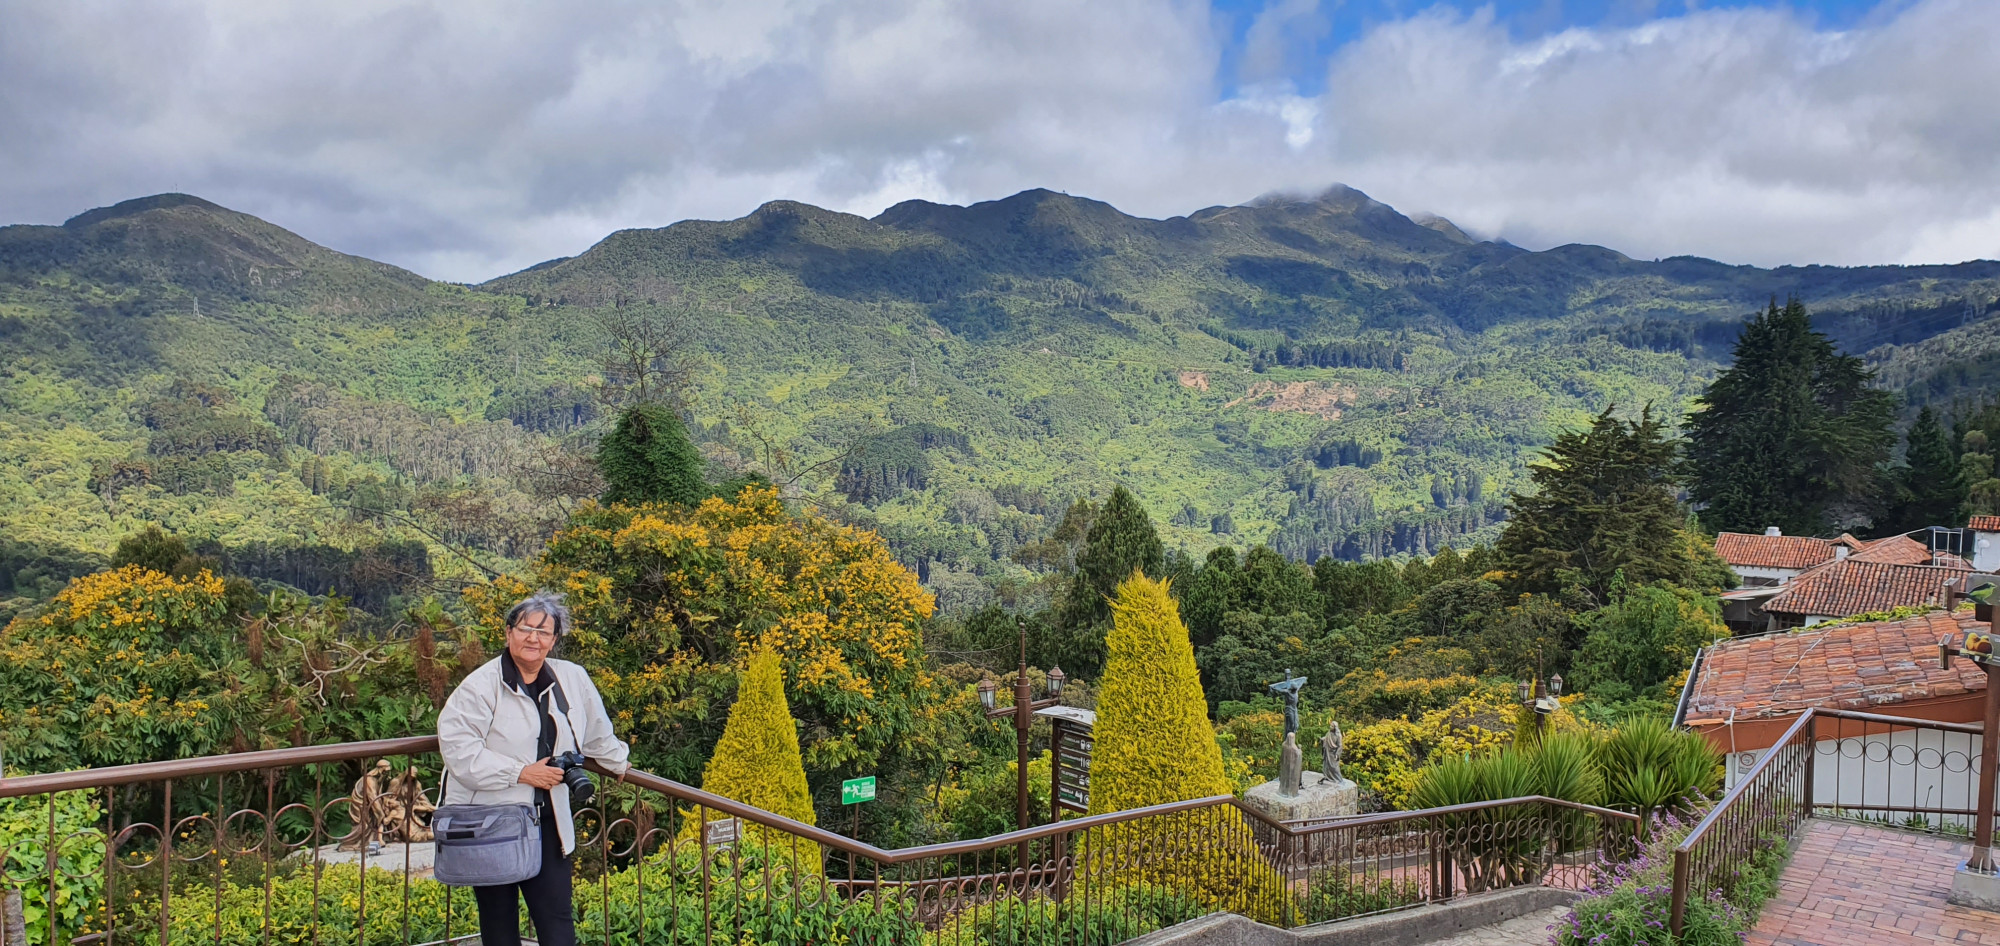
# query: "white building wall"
{"points": [[1886, 775], [1985, 552]]}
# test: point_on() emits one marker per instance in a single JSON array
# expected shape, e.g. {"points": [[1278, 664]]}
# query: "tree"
{"points": [[1790, 435], [648, 458], [1643, 638], [647, 354], [1153, 744], [1604, 502], [1931, 492], [1121, 541], [1215, 590], [757, 760], [667, 596]]}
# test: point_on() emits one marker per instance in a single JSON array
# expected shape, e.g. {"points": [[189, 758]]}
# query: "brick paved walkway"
{"points": [[1850, 885]]}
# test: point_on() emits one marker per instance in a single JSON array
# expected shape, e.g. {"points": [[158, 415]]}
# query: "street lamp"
{"points": [[1541, 698], [1023, 712]]}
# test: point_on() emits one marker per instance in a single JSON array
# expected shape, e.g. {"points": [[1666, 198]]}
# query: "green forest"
{"points": [[806, 465], [1321, 376]]}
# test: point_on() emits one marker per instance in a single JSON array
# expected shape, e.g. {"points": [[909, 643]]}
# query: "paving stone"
{"points": [[1852, 885]]}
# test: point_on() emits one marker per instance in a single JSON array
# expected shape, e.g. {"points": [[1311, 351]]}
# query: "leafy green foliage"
{"points": [[757, 760], [647, 458], [1604, 503], [78, 836], [1929, 488], [1121, 543], [1791, 434], [1643, 638]]}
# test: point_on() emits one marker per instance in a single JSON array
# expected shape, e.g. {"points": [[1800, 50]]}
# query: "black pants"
{"points": [[547, 893]]}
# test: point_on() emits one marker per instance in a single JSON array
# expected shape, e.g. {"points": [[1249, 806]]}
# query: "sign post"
{"points": [[854, 791]]}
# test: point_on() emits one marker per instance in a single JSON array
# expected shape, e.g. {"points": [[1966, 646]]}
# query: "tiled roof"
{"points": [[1984, 524], [1856, 586], [1850, 666], [1896, 549], [1772, 551]]}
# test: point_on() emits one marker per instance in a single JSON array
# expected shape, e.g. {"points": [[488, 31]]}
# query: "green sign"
{"points": [[856, 790]]}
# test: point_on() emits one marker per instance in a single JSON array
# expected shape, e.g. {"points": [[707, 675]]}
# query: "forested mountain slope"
{"points": [[1325, 374]]}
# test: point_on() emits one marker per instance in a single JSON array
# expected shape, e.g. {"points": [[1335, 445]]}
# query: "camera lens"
{"points": [[581, 788]]}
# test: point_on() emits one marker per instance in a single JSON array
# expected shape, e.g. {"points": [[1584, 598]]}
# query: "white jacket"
{"points": [[487, 733]]}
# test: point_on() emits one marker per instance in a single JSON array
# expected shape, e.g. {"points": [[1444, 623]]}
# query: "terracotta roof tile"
{"points": [[1772, 551], [1898, 549], [1850, 666], [1984, 524], [1858, 586]]}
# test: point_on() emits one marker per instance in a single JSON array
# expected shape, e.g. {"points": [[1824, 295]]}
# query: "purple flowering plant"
{"points": [[1630, 903]]}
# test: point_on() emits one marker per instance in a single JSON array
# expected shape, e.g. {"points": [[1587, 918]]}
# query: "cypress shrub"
{"points": [[757, 762], [1153, 744]]}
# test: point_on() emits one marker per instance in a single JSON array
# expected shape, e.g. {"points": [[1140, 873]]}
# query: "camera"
{"points": [[580, 786]]}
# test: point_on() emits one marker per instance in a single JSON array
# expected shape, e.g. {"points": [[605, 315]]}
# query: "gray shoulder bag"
{"points": [[485, 845]]}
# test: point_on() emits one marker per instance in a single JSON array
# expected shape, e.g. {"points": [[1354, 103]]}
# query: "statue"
{"points": [[1329, 751], [364, 806], [1289, 689], [1290, 766], [406, 811], [382, 814]]}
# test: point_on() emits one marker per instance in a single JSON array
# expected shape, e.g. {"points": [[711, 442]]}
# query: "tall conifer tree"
{"points": [[1604, 503], [1121, 541], [1791, 434], [1932, 493]]}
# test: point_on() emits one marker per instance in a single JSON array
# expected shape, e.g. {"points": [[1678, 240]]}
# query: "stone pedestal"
{"points": [[1318, 797], [1970, 888]]}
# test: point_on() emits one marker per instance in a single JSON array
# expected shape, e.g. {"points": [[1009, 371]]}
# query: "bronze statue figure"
{"points": [[1329, 751]]}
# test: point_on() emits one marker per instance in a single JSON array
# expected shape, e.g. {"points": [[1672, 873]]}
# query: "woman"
{"points": [[497, 734]]}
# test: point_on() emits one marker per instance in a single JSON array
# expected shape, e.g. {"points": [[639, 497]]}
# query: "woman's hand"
{"points": [[541, 774]]}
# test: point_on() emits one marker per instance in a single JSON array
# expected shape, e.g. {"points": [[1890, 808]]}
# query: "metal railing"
{"points": [[248, 849], [1832, 764]]}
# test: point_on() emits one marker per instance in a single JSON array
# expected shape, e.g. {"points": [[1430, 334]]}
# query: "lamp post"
{"points": [[1023, 712], [1542, 699]]}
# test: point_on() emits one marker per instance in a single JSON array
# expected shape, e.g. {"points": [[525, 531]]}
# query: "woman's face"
{"points": [[531, 640]]}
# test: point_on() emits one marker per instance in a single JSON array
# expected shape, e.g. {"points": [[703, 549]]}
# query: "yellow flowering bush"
{"points": [[666, 596], [1386, 756]]}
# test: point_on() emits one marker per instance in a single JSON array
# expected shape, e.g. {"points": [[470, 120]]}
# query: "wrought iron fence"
{"points": [[1395, 860], [1889, 770], [265, 847]]}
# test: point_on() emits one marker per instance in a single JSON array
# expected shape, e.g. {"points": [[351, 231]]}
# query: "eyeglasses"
{"points": [[535, 633]]}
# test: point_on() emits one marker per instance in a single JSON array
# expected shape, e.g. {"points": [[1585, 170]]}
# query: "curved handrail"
{"points": [[1743, 784], [81, 779]]}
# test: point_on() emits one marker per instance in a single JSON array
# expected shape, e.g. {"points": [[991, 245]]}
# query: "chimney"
{"points": [[1772, 530], [1840, 551]]}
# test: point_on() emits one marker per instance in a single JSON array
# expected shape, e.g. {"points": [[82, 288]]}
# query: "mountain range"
{"points": [[1321, 373]]}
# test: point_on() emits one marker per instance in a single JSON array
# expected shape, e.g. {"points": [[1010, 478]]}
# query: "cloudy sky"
{"points": [[466, 140]]}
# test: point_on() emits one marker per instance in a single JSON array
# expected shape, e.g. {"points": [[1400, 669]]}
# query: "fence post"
{"points": [[1677, 915], [13, 925], [1812, 752]]}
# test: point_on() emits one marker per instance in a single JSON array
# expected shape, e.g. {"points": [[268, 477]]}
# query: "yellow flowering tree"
{"points": [[1153, 744], [113, 671], [665, 597], [133, 665]]}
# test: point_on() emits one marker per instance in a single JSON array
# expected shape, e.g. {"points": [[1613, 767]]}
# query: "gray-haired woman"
{"points": [[497, 734]]}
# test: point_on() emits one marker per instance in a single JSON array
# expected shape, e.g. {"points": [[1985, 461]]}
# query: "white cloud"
{"points": [[469, 139]]}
